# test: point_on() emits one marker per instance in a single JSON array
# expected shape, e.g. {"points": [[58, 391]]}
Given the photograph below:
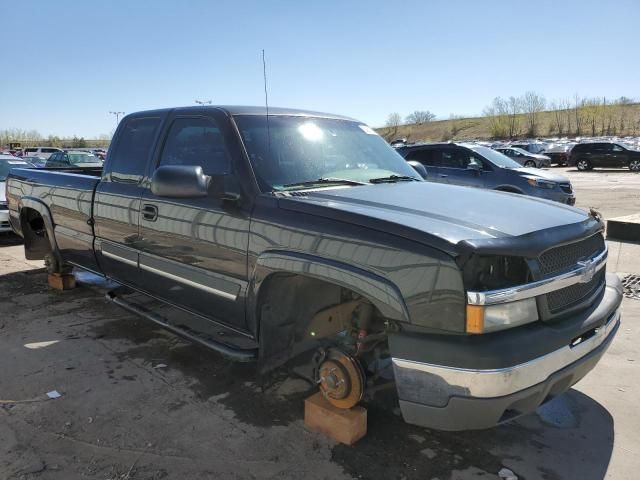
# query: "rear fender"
{"points": [[35, 250]]}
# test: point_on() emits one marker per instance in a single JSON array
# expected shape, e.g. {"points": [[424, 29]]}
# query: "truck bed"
{"points": [[66, 198]]}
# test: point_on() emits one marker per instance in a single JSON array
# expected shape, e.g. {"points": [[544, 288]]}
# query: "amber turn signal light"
{"points": [[475, 319]]}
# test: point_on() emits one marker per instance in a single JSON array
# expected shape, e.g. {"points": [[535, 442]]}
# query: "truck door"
{"points": [[116, 206], [194, 250]]}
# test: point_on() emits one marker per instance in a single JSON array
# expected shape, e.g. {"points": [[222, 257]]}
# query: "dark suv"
{"points": [[477, 166], [586, 156]]}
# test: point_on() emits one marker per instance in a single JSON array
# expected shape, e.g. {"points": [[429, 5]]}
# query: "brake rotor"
{"points": [[341, 379]]}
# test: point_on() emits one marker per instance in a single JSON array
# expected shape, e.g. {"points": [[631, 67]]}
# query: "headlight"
{"points": [[537, 182], [490, 318]]}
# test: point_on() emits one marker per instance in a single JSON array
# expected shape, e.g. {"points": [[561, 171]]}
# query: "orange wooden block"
{"points": [[344, 426], [60, 281]]}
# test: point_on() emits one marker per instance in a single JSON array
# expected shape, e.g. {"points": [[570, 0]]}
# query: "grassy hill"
{"points": [[621, 120]]}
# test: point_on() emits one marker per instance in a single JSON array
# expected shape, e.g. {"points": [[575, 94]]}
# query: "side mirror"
{"points": [[418, 167], [180, 181]]}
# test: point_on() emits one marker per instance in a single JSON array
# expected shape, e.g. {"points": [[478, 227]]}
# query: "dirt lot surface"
{"points": [[138, 403]]}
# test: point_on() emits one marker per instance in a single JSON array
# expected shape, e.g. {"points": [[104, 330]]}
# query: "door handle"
{"points": [[443, 176], [150, 212]]}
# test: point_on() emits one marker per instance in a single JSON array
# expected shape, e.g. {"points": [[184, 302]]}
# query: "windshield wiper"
{"points": [[393, 179], [323, 181]]}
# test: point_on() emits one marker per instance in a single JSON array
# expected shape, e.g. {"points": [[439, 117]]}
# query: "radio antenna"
{"points": [[266, 98]]}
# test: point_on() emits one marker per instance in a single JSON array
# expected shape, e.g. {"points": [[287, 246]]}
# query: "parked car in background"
{"points": [[44, 152], [73, 159], [479, 166], [7, 162], [587, 156], [559, 154], [525, 158], [531, 147], [37, 162]]}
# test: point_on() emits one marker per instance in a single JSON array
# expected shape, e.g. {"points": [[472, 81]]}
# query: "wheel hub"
{"points": [[341, 379]]}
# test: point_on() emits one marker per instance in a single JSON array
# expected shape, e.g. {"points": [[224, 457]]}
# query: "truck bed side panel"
{"points": [[68, 197]]}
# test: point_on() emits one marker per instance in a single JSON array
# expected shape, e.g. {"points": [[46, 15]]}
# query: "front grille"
{"points": [[571, 296], [566, 257], [3, 206], [566, 187]]}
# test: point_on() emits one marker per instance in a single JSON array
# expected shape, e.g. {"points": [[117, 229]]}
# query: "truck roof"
{"points": [[252, 110]]}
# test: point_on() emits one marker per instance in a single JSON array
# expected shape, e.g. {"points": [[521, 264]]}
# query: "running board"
{"points": [[236, 354]]}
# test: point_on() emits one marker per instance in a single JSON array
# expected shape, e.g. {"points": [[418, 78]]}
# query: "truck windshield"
{"points": [[291, 150]]}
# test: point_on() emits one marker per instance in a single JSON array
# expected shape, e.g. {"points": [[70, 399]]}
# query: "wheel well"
{"points": [[298, 314], [34, 232]]}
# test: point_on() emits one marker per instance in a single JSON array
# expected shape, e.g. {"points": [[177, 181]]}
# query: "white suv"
{"points": [[42, 152]]}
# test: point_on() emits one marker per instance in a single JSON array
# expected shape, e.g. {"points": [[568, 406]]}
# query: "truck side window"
{"points": [[129, 159], [196, 141]]}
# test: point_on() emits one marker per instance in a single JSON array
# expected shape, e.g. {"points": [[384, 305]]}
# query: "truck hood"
{"points": [[429, 211], [544, 174]]}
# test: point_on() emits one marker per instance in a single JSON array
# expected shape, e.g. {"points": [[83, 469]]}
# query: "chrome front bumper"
{"points": [[462, 397], [449, 381]]}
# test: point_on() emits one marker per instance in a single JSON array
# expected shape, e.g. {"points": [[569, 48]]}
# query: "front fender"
{"points": [[379, 291]]}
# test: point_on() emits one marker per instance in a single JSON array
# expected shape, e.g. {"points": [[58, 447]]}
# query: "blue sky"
{"points": [[66, 63]]}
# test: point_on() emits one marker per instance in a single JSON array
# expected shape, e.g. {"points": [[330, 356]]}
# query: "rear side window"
{"points": [[49, 150], [196, 141], [426, 157], [129, 159]]}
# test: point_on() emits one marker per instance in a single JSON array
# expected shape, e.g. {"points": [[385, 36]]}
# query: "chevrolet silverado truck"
{"points": [[279, 234]]}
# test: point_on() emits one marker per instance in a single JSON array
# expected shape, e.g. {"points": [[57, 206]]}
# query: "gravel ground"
{"points": [[139, 403]]}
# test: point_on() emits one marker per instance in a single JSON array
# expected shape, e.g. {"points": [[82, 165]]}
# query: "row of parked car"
{"points": [[516, 167], [584, 154], [606, 152], [51, 157]]}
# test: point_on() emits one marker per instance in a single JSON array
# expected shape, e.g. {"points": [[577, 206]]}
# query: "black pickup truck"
{"points": [[286, 233]]}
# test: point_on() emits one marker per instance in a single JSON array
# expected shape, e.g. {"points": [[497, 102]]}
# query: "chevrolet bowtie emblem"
{"points": [[588, 270]]}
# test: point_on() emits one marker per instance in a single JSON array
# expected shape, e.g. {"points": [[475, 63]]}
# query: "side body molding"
{"points": [[380, 291]]}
